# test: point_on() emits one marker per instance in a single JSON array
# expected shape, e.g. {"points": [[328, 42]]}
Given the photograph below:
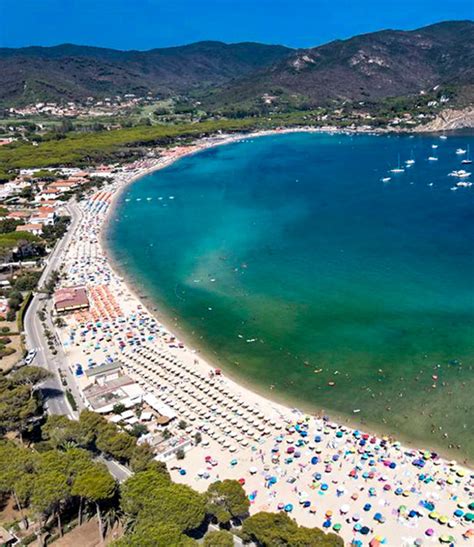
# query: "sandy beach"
{"points": [[365, 487]]}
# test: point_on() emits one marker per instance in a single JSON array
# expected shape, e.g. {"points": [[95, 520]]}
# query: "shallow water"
{"points": [[291, 260]]}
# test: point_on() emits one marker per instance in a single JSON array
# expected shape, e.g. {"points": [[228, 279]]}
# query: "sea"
{"points": [[311, 272]]}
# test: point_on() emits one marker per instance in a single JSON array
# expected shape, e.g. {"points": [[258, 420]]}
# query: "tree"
{"points": [[160, 534], [221, 538], [138, 430], [142, 456], [177, 504], [96, 485], [118, 408], [18, 406], [269, 529], [91, 423], [227, 500], [141, 487], [50, 489], [60, 432], [117, 444], [15, 474], [30, 376]]}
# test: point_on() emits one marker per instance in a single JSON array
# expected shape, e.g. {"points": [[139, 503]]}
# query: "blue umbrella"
{"points": [[288, 508]]}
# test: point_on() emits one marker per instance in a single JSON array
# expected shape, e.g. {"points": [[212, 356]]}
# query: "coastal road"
{"points": [[55, 398]]}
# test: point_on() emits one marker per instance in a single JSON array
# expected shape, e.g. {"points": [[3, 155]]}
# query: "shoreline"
{"points": [[209, 356], [247, 435]]}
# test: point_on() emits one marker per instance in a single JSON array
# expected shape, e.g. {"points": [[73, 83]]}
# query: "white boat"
{"points": [[460, 151], [434, 146], [386, 179], [443, 137], [464, 184], [432, 158], [467, 160], [398, 169], [459, 174], [411, 161]]}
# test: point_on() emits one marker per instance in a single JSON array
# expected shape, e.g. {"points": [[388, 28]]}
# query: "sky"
{"points": [[146, 24]]}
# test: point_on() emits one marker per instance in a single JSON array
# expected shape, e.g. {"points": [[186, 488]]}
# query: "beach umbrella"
{"points": [[446, 539], [344, 509], [288, 508], [364, 530], [337, 527], [327, 524], [469, 517]]}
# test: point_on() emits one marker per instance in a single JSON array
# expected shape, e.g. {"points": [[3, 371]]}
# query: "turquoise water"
{"points": [[290, 260]]}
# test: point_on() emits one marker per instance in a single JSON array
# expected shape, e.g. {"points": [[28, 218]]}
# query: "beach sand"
{"points": [[324, 474]]}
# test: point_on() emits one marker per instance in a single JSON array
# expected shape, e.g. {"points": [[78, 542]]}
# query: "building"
{"points": [[70, 299], [103, 373], [123, 390], [33, 228]]}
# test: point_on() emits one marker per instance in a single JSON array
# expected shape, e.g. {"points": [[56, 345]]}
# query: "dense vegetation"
{"points": [[78, 148]]}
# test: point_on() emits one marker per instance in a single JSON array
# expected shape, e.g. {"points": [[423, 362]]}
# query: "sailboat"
{"points": [[398, 169], [467, 160], [411, 161]]}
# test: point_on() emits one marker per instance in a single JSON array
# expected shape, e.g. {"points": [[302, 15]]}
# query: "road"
{"points": [[55, 398]]}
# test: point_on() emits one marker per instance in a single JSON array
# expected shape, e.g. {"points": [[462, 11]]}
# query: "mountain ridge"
{"points": [[370, 66]]}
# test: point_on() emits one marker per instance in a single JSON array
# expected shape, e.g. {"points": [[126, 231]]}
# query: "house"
{"points": [[103, 373], [44, 218], [48, 194], [70, 299], [33, 228], [102, 397], [19, 215], [62, 186]]}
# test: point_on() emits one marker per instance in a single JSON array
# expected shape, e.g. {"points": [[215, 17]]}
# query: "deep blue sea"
{"points": [[288, 259]]}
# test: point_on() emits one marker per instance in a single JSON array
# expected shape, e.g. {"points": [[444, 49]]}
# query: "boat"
{"points": [[411, 161], [434, 146], [386, 179], [398, 169], [464, 184], [467, 160], [432, 158], [460, 151], [443, 137], [461, 173]]}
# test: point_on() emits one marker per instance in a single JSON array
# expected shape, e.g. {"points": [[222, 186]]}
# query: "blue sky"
{"points": [[144, 24]]}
